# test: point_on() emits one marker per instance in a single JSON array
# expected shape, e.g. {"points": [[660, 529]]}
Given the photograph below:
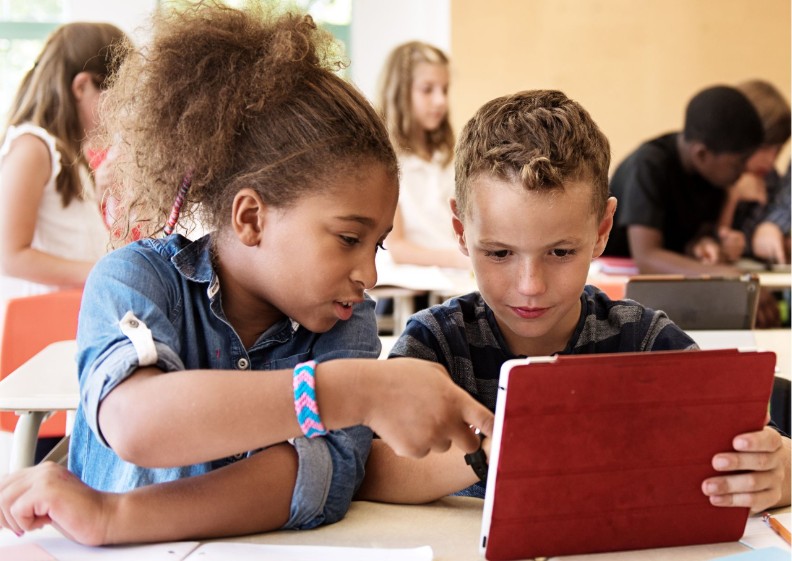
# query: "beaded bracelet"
{"points": [[304, 383]]}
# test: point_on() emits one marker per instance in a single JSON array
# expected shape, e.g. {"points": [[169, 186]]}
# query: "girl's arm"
{"points": [[182, 418], [23, 175], [250, 496], [393, 479]]}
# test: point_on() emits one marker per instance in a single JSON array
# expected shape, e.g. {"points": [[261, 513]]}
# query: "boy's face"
{"points": [[531, 253], [721, 169]]}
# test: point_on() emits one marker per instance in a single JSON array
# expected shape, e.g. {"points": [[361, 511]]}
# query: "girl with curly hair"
{"points": [[195, 355]]}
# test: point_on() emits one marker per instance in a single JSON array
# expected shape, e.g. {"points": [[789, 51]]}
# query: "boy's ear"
{"points": [[459, 228], [79, 84], [605, 227], [247, 216], [698, 154]]}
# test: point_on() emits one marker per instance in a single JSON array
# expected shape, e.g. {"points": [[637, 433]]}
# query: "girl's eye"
{"points": [[349, 240], [563, 252], [381, 245]]}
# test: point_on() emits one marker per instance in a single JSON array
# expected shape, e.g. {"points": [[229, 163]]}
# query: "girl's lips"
{"points": [[343, 310], [529, 313]]}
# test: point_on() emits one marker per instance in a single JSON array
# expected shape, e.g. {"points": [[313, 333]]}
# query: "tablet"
{"points": [[699, 302], [595, 453]]}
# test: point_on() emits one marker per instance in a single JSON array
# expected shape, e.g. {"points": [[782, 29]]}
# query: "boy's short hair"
{"points": [[539, 138], [723, 119], [773, 110]]}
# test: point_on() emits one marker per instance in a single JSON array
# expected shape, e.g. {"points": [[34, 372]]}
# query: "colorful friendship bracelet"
{"points": [[304, 383]]}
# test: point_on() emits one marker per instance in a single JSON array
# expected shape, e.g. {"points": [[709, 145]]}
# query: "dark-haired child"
{"points": [[672, 188]]}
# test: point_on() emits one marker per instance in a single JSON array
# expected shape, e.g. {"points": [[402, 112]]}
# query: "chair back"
{"points": [[32, 323]]}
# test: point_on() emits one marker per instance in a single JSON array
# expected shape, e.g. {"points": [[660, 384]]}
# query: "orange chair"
{"points": [[32, 323]]}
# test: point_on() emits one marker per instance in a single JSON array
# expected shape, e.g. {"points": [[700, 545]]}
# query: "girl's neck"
{"points": [[420, 146]]}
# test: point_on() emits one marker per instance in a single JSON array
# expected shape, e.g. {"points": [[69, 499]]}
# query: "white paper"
{"points": [[63, 549], [223, 551]]}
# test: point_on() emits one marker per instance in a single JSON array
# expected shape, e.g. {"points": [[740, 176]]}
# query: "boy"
{"points": [[672, 188], [532, 210]]}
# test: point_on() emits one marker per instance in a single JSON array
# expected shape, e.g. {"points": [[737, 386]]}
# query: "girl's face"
{"points": [[315, 258], [763, 160], [429, 95], [87, 94]]}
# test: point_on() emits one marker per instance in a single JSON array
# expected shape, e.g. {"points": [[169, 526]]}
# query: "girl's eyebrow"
{"points": [[364, 220]]}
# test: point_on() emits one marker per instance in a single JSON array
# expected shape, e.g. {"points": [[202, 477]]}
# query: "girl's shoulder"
{"points": [[26, 133]]}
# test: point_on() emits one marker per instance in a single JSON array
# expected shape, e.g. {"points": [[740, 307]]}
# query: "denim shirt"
{"points": [[171, 288]]}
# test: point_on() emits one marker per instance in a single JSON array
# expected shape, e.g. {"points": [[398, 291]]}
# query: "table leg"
{"points": [[23, 447]]}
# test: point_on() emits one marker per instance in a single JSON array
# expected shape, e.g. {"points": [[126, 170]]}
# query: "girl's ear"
{"points": [[604, 228], [247, 216], [79, 83], [459, 228]]}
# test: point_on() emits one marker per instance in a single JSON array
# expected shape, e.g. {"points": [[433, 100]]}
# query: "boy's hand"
{"points": [[732, 244], [416, 408], [764, 456], [50, 494], [707, 251]]}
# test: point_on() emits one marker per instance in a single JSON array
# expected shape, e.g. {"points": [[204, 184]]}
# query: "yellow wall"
{"points": [[633, 64]]}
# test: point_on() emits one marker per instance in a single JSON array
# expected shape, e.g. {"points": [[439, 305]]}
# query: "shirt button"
{"points": [[133, 323], [243, 363]]}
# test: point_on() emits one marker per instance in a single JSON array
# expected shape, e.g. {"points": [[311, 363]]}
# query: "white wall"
{"points": [[128, 16], [380, 25]]}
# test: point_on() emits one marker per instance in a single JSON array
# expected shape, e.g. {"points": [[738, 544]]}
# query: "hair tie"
{"points": [[177, 204]]}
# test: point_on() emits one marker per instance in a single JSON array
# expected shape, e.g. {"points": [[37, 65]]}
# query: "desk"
{"points": [[451, 527], [45, 383]]}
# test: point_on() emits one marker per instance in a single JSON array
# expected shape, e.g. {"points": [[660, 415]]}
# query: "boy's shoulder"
{"points": [[624, 326]]}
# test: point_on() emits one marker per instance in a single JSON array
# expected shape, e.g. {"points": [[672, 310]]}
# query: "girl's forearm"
{"points": [[250, 496]]}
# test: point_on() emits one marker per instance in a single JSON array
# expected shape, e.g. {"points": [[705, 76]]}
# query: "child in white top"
{"points": [[51, 229], [413, 101]]}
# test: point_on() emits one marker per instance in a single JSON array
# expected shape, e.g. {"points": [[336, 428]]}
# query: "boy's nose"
{"points": [[531, 279]]}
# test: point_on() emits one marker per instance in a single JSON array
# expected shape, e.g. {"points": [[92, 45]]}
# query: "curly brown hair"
{"points": [[236, 98], [539, 138], [395, 98], [45, 97]]}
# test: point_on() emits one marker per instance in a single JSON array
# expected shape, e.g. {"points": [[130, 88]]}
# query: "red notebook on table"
{"points": [[595, 453]]}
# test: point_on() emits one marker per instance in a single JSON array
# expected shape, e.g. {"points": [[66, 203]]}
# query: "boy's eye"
{"points": [[349, 240], [381, 245], [563, 252], [497, 255]]}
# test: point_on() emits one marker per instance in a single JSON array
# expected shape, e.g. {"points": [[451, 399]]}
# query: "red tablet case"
{"points": [[608, 452]]}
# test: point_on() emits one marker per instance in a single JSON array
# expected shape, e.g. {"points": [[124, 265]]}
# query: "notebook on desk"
{"points": [[594, 453], [699, 303]]}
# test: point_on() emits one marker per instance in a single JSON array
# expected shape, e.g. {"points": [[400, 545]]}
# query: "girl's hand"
{"points": [[50, 494], [768, 243], [763, 459], [416, 408]]}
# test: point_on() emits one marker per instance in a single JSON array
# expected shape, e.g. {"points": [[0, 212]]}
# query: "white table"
{"points": [[45, 383], [451, 526]]}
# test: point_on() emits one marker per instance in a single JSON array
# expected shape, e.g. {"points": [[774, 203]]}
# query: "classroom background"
{"points": [[632, 64]]}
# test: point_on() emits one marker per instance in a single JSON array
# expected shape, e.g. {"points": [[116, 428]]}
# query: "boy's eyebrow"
{"points": [[502, 245]]}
